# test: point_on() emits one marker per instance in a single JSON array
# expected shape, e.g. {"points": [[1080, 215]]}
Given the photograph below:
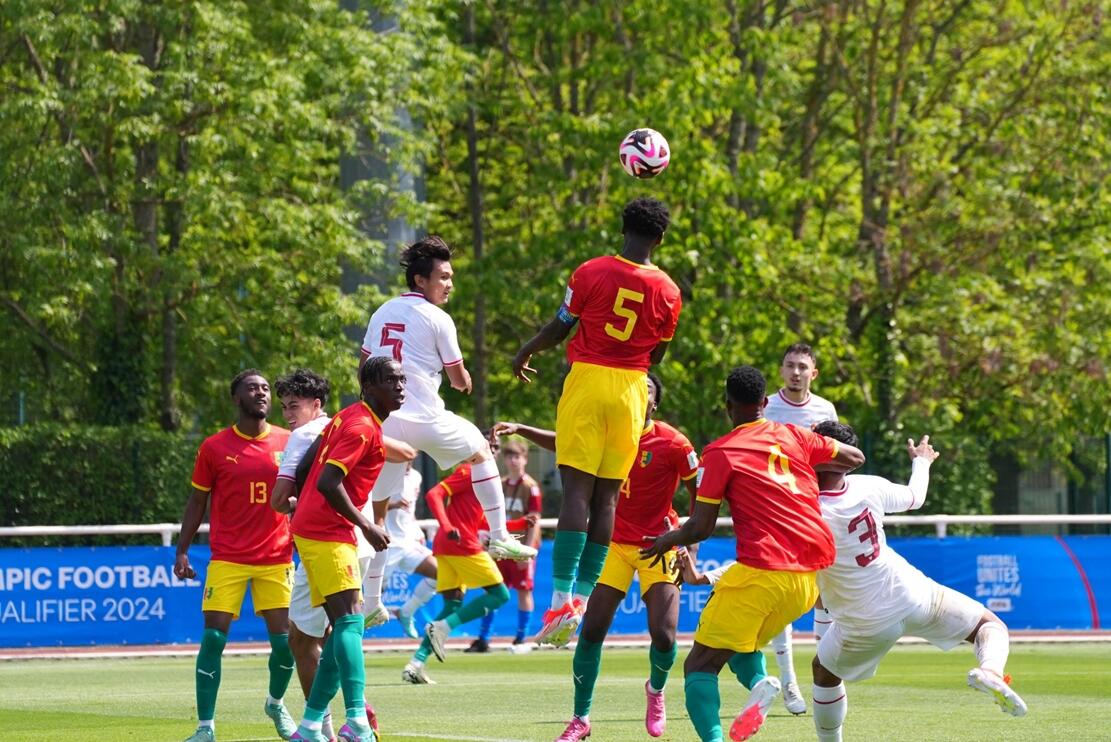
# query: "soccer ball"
{"points": [[644, 153]]}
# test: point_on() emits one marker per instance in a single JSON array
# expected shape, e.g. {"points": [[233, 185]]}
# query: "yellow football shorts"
{"points": [[472, 570], [749, 606], [599, 419], [624, 560], [331, 566], [225, 584]]}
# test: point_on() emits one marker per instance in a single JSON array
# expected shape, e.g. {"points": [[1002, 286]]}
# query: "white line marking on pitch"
{"points": [[456, 737]]}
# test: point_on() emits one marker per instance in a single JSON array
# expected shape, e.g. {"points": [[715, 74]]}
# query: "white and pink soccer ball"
{"points": [[644, 153]]}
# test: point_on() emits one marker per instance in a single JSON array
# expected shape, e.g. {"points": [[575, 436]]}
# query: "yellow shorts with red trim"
{"points": [[624, 560], [331, 566], [463, 571], [600, 418], [749, 606], [225, 584]]}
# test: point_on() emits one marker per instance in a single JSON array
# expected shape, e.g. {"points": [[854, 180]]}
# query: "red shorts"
{"points": [[517, 575]]}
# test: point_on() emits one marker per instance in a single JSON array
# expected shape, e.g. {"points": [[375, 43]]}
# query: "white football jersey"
{"points": [[814, 410], [715, 574], [298, 443], [422, 336], [401, 518], [870, 586]]}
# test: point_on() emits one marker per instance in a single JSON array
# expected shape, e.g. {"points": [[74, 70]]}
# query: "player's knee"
{"points": [[499, 594], [483, 454], [822, 676], [662, 639]]}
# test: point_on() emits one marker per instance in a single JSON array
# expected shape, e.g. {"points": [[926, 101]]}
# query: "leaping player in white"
{"points": [[876, 596], [414, 330]]}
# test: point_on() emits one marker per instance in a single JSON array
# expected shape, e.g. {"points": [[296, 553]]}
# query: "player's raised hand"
{"points": [[376, 536], [659, 546], [182, 569], [520, 366], [922, 449], [503, 428]]}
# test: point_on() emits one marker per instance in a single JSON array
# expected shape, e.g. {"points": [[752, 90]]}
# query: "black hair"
{"points": [[838, 432], [303, 384], [374, 370], [645, 216], [419, 258], [659, 387], [746, 385], [239, 377], [802, 349]]}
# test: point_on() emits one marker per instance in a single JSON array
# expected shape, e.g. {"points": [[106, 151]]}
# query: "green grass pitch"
{"points": [[918, 695]]}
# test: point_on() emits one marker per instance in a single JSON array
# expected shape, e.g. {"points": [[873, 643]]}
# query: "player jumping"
{"points": [[877, 597], [627, 310]]}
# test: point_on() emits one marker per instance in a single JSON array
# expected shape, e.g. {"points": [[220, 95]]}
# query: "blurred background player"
{"points": [[250, 544], [408, 550], [338, 485], [414, 331], [523, 500], [877, 597], [766, 473], [461, 563], [627, 310]]}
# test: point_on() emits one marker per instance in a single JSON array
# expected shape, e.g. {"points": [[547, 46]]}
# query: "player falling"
{"points": [[338, 485], [627, 310], [877, 597], [413, 330], [644, 510], [765, 471], [235, 470]]}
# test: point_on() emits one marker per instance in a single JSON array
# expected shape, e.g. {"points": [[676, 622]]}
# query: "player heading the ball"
{"points": [[627, 310]]}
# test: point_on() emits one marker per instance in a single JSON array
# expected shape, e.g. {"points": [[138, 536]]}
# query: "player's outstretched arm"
{"points": [[434, 498], [550, 335], [543, 438], [459, 377], [190, 522], [330, 484], [699, 527], [398, 452], [688, 570], [847, 458], [659, 351]]}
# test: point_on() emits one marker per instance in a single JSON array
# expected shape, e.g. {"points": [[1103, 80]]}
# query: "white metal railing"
{"points": [[940, 523]]}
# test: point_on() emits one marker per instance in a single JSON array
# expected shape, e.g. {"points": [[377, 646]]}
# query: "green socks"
{"points": [[326, 683], [347, 632], [208, 672], [425, 648], [584, 671], [590, 567], [660, 665], [281, 665], [749, 667], [566, 551], [704, 705], [494, 598]]}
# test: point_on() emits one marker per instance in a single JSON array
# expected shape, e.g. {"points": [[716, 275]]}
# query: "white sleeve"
{"points": [[715, 574], [368, 341], [898, 498], [832, 412], [447, 340], [295, 448]]}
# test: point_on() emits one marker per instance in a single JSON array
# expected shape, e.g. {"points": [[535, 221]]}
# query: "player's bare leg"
{"points": [[486, 480], [830, 703], [662, 601], [992, 644]]}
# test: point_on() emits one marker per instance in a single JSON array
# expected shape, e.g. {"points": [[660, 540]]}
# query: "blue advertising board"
{"points": [[128, 595]]}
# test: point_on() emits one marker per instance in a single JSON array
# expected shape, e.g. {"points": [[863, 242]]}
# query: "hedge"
{"points": [[67, 475]]}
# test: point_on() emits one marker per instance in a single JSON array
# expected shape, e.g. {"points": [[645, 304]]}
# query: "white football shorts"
{"points": [[449, 439], [945, 622], [406, 556]]}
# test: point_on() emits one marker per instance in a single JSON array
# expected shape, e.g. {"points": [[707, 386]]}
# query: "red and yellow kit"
{"points": [[664, 458], [522, 497], [353, 442], [463, 563], [624, 310], [238, 472], [766, 472]]}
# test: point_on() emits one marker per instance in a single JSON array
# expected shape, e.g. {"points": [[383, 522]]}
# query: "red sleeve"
{"points": [[713, 476], [819, 449], [686, 458], [348, 445], [577, 290], [671, 321], [517, 524], [204, 473], [435, 500], [535, 503]]}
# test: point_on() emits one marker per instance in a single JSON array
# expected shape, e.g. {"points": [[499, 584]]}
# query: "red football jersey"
{"points": [[353, 442], [238, 472], [624, 309], [766, 472], [465, 513], [665, 456]]}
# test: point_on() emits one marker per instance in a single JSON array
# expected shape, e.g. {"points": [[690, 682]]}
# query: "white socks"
{"points": [[487, 488], [422, 593], [559, 599], [372, 582], [784, 657], [992, 646], [830, 706], [822, 620]]}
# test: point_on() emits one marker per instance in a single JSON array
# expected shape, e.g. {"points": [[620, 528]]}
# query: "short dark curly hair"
{"points": [[239, 377], [419, 258], [659, 387], [645, 216], [746, 385], [838, 432], [374, 370], [303, 384]]}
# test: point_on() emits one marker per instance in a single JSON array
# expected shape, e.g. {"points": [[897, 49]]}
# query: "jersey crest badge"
{"points": [[279, 456], [645, 458]]}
